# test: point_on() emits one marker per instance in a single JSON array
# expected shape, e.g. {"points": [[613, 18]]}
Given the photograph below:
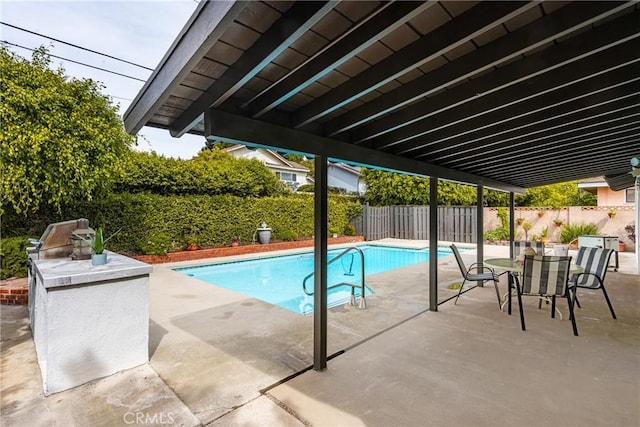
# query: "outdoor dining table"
{"points": [[514, 266]]}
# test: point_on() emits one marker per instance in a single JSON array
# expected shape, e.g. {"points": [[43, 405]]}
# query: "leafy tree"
{"points": [[387, 188], [557, 195], [307, 163], [210, 145], [501, 232], [60, 139]]}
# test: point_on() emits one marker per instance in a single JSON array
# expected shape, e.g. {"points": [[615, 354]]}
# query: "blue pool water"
{"points": [[278, 280]]}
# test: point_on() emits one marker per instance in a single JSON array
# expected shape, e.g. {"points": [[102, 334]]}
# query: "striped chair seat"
{"points": [[595, 262], [545, 276]]}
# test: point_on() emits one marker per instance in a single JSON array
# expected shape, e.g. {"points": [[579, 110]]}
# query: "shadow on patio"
{"points": [[219, 358], [470, 364]]}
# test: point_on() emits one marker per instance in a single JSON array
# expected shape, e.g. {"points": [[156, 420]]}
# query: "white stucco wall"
{"points": [[597, 215], [608, 197], [338, 177], [86, 329], [272, 162]]}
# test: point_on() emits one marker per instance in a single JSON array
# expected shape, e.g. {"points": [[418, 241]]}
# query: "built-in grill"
{"points": [[61, 240]]}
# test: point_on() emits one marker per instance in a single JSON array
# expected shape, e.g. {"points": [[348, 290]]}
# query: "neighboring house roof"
{"points": [[597, 182], [347, 168], [278, 161], [594, 182]]}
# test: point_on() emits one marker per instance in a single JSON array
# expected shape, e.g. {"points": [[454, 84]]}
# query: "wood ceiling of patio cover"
{"points": [[508, 95]]}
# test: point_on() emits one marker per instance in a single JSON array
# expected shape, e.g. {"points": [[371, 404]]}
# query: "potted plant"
{"points": [[519, 221], [235, 241], [191, 241], [558, 222], [526, 227], [264, 233], [612, 213], [98, 246], [541, 213], [544, 235], [631, 232]]}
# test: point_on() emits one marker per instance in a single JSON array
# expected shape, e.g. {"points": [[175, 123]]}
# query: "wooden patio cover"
{"points": [[505, 95]]}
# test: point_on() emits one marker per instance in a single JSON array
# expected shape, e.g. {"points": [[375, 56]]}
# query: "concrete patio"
{"points": [[223, 359]]}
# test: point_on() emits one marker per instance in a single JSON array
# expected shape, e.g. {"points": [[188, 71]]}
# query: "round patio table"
{"points": [[513, 265]]}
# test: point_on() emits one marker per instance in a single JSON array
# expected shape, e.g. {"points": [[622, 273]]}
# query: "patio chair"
{"points": [[520, 245], [545, 276], [484, 274], [595, 262]]}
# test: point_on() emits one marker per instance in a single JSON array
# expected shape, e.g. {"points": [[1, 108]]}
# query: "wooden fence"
{"points": [[455, 223]]}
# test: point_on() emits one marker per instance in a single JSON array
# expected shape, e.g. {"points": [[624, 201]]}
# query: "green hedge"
{"points": [[13, 257], [212, 172], [154, 224]]}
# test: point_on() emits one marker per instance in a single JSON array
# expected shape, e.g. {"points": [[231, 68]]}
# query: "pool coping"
{"points": [[228, 251], [413, 244]]}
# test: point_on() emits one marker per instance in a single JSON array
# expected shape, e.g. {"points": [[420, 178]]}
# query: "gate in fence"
{"points": [[455, 223]]}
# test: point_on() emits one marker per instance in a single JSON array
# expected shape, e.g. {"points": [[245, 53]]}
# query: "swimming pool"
{"points": [[278, 280]]}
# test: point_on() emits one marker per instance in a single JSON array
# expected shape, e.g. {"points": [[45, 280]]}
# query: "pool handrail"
{"points": [[363, 302]]}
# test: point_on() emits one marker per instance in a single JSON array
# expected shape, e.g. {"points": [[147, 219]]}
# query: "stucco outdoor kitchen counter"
{"points": [[88, 321], [64, 272]]}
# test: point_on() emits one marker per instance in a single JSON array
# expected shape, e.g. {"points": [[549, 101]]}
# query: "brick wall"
{"points": [[239, 250], [14, 292]]}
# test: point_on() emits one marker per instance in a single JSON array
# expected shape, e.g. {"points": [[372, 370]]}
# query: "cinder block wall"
{"points": [[598, 215]]}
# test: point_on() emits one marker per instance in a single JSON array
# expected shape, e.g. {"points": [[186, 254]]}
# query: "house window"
{"points": [[630, 195], [286, 176]]}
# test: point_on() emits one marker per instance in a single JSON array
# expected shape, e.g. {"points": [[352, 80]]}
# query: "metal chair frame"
{"points": [[595, 262], [479, 277]]}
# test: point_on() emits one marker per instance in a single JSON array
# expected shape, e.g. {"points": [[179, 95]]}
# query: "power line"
{"points": [[76, 62], [76, 46]]}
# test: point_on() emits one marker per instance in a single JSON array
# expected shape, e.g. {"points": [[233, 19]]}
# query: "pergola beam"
{"points": [[561, 152], [598, 124], [461, 123], [291, 26], [451, 35], [521, 41], [229, 127], [540, 163], [207, 24], [379, 23], [613, 35], [530, 129]]}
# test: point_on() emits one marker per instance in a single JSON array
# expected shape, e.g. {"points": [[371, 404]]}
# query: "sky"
{"points": [[132, 30]]}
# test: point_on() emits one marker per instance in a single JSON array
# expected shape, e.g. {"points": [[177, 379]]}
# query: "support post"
{"points": [[480, 227], [320, 265], [637, 223], [433, 243], [512, 231]]}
